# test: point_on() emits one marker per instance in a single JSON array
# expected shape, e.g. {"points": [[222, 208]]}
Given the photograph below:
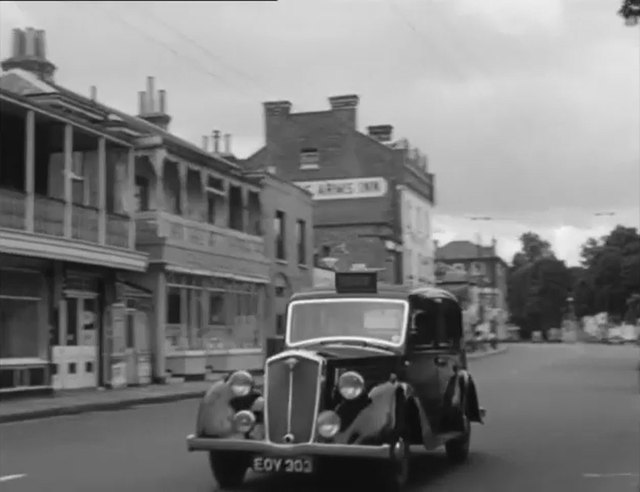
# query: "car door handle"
{"points": [[440, 361]]}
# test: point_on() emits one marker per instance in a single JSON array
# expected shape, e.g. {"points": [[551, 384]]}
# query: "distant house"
{"points": [[482, 264]]}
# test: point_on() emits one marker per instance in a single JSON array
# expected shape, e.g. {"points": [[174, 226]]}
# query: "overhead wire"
{"points": [[181, 56]]}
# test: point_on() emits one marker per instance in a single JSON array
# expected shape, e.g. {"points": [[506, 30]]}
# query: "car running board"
{"points": [[437, 441]]}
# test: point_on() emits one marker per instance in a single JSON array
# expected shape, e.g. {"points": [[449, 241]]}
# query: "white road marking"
{"points": [[6, 478], [610, 475]]}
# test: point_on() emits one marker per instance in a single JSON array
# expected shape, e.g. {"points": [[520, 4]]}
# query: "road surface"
{"points": [[561, 418]]}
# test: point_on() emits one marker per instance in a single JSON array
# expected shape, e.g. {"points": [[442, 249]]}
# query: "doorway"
{"points": [[75, 353]]}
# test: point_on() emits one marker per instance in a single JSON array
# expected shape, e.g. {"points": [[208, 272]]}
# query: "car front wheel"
{"points": [[229, 469], [396, 470], [458, 449]]}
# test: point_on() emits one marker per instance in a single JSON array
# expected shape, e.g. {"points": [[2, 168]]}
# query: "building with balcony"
{"points": [[365, 187], [287, 212], [66, 236], [198, 219]]}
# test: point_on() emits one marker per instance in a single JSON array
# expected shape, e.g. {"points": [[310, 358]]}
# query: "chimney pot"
{"points": [[142, 103], [151, 93], [41, 46], [163, 101], [205, 143], [216, 141], [30, 35], [227, 143], [18, 43], [94, 93]]}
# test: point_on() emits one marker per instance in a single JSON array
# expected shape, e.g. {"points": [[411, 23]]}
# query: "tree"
{"points": [[611, 273], [630, 11], [538, 286]]}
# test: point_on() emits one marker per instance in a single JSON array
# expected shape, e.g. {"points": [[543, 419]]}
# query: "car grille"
{"points": [[291, 398]]}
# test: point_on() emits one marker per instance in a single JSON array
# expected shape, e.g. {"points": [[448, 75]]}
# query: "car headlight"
{"points": [[243, 421], [241, 383], [351, 385], [328, 424]]}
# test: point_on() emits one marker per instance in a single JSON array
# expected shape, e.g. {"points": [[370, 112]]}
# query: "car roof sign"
{"points": [[357, 282]]}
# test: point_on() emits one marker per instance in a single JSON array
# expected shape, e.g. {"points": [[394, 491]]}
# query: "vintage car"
{"points": [[368, 372]]}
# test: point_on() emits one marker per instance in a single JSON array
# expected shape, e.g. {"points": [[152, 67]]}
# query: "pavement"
{"points": [[560, 417], [80, 401]]}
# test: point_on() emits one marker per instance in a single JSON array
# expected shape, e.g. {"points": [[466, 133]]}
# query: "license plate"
{"points": [[267, 464]]}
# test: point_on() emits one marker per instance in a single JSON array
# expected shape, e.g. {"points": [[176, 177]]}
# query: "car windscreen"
{"points": [[375, 319]]}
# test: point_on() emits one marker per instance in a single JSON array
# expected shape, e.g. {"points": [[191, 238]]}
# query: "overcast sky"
{"points": [[529, 110]]}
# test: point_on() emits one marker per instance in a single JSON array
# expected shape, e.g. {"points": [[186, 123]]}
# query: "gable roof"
{"points": [[464, 250], [41, 87]]}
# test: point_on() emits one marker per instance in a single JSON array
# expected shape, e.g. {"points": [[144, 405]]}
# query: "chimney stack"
{"points": [[276, 114], [153, 108], [94, 93], [28, 53], [227, 143], [345, 107], [205, 143], [381, 133], [216, 141]]}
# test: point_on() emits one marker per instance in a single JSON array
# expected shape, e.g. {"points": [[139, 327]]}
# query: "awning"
{"points": [[208, 273]]}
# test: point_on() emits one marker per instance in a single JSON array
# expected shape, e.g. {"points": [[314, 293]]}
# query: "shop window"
{"points": [[279, 227], [174, 304], [19, 314], [236, 208], [280, 325], [141, 194], [130, 329], [301, 240], [216, 308]]}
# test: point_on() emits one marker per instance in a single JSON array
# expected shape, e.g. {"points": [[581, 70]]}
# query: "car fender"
{"points": [[378, 416], [461, 393], [217, 408], [426, 432]]}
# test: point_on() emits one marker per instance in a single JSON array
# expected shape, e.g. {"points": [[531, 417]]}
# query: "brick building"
{"points": [[482, 264], [358, 181]]}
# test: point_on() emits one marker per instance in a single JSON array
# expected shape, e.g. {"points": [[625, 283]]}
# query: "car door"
{"points": [[422, 369]]}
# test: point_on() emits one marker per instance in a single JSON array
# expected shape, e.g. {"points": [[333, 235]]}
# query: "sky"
{"points": [[529, 110]]}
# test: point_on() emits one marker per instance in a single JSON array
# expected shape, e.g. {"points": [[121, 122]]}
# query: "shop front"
{"points": [[214, 322], [24, 324]]}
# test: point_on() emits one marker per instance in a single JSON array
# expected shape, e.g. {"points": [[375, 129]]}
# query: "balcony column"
{"points": [[183, 170], [157, 161], [68, 189], [29, 160], [245, 209], [102, 190], [204, 205], [131, 189]]}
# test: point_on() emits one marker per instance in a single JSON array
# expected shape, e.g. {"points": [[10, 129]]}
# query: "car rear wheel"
{"points": [[229, 469], [458, 449]]}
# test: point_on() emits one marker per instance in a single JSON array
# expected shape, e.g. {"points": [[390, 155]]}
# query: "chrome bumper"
{"points": [[309, 449]]}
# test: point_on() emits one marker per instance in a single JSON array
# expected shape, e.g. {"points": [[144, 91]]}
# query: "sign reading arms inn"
{"points": [[340, 189]]}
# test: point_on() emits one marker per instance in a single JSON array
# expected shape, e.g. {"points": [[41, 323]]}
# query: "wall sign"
{"points": [[340, 189]]}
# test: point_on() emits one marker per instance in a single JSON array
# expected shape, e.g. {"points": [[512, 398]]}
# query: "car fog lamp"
{"points": [[241, 383], [351, 385], [258, 404], [328, 424], [243, 421]]}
